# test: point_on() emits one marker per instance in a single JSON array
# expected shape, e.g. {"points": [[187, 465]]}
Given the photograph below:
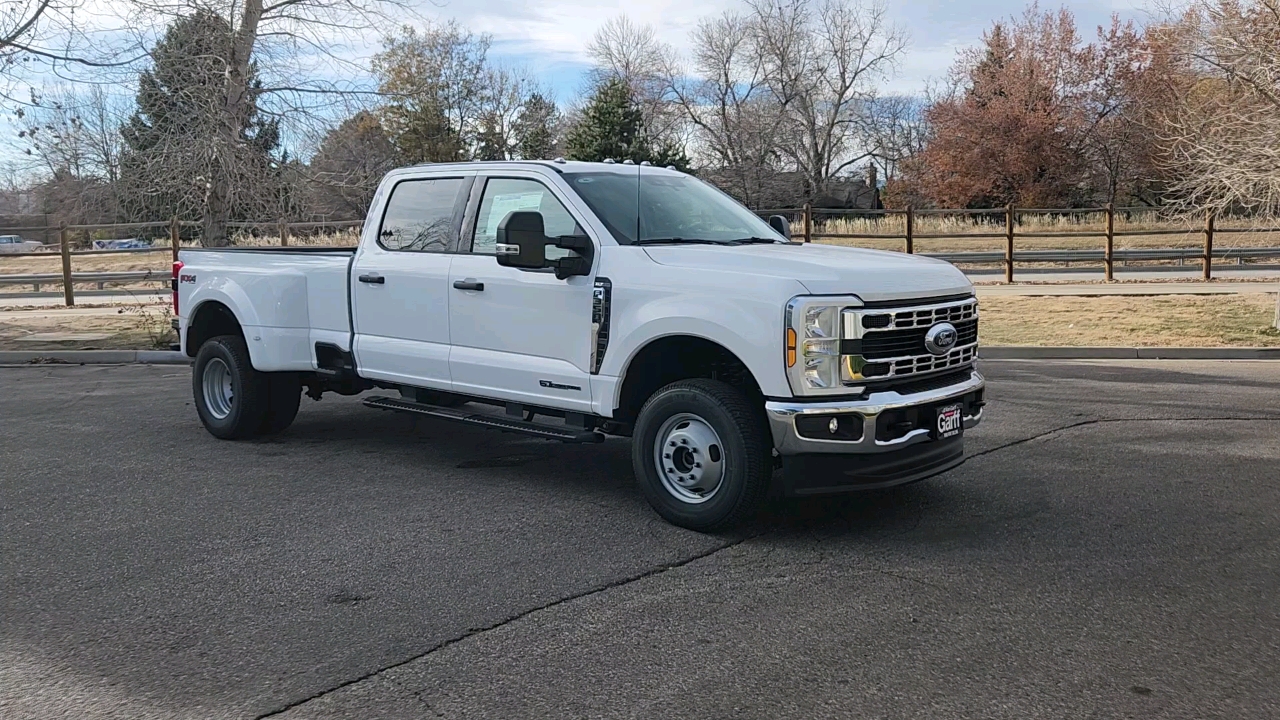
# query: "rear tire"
{"points": [[230, 396], [284, 394], [702, 454]]}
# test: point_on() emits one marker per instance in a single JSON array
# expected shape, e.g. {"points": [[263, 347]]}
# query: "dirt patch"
{"points": [[143, 326]]}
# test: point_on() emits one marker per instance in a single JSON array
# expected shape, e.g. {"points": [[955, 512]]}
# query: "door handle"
{"points": [[468, 284], [374, 279]]}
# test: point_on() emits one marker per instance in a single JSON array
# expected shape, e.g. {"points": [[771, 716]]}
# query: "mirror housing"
{"points": [[522, 243], [782, 225]]}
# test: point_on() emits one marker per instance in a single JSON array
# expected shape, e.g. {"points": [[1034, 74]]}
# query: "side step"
{"points": [[551, 432]]}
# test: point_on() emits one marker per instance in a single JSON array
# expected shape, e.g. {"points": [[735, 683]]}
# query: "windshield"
{"points": [[672, 208]]}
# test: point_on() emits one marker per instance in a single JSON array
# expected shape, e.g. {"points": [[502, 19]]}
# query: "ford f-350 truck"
{"points": [[572, 301]]}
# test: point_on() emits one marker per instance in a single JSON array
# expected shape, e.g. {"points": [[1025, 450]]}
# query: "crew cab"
{"points": [[574, 301]]}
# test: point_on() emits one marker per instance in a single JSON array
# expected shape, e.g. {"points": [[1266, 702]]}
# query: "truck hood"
{"points": [[872, 275]]}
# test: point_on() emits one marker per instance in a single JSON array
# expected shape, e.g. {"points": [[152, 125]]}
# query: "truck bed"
{"points": [[287, 298]]}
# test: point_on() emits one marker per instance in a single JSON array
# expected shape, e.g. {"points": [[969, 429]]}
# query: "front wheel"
{"points": [[701, 454]]}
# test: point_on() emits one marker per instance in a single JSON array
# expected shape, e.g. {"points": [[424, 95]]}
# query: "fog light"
{"points": [[845, 427]]}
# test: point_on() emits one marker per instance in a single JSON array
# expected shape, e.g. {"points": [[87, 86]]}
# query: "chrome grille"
{"points": [[933, 363], [882, 343]]}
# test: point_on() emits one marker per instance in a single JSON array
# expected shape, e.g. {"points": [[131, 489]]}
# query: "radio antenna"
{"points": [[638, 168]]}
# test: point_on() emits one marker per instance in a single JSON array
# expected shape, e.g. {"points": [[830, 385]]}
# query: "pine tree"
{"points": [[490, 144], [171, 156], [535, 129], [612, 127]]}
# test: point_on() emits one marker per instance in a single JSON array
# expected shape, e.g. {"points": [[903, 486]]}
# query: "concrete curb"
{"points": [[93, 357], [168, 357], [1121, 353]]}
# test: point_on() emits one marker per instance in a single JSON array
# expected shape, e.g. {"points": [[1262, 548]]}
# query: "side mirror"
{"points": [[781, 224], [522, 242]]}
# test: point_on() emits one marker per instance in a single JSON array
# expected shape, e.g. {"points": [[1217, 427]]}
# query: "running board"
{"points": [[499, 422]]}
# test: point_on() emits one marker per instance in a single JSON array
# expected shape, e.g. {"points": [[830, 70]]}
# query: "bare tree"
{"points": [[1222, 137], [436, 84], [74, 135], [345, 171], [269, 63], [75, 131], [823, 62], [631, 53], [893, 131], [727, 100]]}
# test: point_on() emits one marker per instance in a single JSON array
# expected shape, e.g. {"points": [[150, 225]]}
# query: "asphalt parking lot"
{"points": [[1110, 549]]}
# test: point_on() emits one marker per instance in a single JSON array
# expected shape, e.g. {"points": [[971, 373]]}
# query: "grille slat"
{"points": [[892, 339], [896, 343]]}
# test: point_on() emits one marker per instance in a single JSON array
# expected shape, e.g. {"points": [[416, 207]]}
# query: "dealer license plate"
{"points": [[950, 421]]}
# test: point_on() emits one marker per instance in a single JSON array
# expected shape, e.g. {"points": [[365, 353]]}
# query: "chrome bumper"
{"points": [[782, 415]]}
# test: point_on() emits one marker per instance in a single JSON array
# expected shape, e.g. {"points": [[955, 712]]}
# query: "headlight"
{"points": [[813, 344]]}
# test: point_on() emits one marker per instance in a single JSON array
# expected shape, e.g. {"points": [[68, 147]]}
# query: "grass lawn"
{"points": [[1120, 321]]}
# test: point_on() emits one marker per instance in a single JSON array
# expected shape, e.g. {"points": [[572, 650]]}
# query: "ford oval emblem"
{"points": [[941, 338]]}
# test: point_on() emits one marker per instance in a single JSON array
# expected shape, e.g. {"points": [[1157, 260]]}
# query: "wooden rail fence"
{"points": [[173, 227], [1011, 233]]}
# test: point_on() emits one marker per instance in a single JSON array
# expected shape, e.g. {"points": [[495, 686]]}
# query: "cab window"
{"points": [[503, 196], [423, 215]]}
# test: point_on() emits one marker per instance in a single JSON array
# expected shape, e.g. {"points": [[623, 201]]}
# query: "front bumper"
{"points": [[875, 406]]}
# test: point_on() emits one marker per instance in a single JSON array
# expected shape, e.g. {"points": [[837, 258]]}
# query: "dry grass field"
{"points": [[1244, 320], [1120, 321]]}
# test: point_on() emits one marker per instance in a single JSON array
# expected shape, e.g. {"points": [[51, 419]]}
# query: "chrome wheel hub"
{"points": [[218, 393], [689, 457]]}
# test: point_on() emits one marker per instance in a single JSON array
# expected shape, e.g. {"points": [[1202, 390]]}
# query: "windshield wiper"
{"points": [[753, 241], [676, 241]]}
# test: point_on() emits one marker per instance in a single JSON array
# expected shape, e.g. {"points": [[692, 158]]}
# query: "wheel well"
{"points": [[211, 319], [680, 357]]}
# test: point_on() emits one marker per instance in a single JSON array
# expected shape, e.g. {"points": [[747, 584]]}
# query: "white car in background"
{"points": [[15, 244]]}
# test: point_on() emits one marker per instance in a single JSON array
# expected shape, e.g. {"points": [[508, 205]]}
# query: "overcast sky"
{"points": [[548, 37]]}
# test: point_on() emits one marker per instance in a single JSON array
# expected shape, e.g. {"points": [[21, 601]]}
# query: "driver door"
{"points": [[517, 334]]}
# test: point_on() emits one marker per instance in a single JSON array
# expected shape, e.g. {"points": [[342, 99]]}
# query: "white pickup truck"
{"points": [[572, 301]]}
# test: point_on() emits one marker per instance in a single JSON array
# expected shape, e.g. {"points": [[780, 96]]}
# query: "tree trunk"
{"points": [[215, 214], [235, 112]]}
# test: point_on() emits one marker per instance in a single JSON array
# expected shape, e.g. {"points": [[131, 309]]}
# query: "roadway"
{"points": [[1110, 549]]}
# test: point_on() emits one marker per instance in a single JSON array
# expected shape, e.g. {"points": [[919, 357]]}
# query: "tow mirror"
{"points": [[522, 242], [781, 224]]}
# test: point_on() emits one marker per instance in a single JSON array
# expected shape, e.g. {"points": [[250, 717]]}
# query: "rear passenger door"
{"points": [[399, 283]]}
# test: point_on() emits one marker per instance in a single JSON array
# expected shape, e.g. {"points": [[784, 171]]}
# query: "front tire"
{"points": [[701, 454], [230, 396]]}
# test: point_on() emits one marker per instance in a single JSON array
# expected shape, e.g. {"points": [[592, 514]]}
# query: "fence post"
{"points": [[808, 223], [64, 239], [175, 237], [1208, 245], [911, 229], [284, 233], [1109, 257], [1008, 244]]}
